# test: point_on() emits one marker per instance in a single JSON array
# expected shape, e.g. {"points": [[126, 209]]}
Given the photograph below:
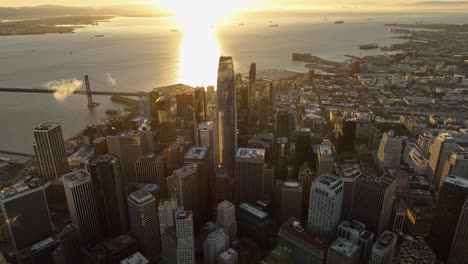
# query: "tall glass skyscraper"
{"points": [[227, 114]]}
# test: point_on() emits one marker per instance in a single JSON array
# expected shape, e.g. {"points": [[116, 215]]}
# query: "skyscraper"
{"points": [[302, 146], [216, 243], [373, 200], [288, 197], [49, 150], [82, 204], [252, 91], [185, 184], [201, 157], [185, 237], [458, 251], [226, 218], [457, 164], [305, 178], [25, 218], [144, 222], [452, 196], [227, 114], [326, 197], [128, 146], [150, 169], [207, 134], [229, 256], [250, 165], [440, 152], [109, 191], [348, 177], [383, 251], [285, 124], [343, 251], [357, 234], [389, 154], [325, 156]]}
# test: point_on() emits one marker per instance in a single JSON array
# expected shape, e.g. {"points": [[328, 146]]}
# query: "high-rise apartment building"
{"points": [[49, 150], [349, 177], [185, 237], [174, 155], [207, 134], [389, 153], [288, 197], [144, 222], [110, 197], [356, 233], [252, 92], [216, 243], [227, 115], [248, 183], [285, 124], [82, 204], [343, 251], [326, 197]]}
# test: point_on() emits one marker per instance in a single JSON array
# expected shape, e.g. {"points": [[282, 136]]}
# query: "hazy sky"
{"points": [[257, 2]]}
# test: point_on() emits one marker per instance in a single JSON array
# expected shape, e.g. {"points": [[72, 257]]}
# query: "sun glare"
{"points": [[201, 12]]}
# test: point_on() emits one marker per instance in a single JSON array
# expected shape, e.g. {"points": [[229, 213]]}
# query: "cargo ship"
{"points": [[369, 46], [339, 22], [275, 25]]}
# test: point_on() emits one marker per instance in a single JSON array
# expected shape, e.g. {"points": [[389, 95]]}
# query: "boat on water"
{"points": [[339, 22], [369, 46], [274, 25], [98, 36]]}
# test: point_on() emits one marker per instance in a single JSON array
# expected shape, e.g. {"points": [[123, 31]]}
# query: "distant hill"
{"points": [[56, 10], [441, 3]]}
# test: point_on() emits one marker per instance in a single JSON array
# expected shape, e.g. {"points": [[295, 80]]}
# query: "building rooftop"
{"points": [[293, 228], [206, 125], [455, 180], [184, 215], [141, 197], [130, 133], [196, 152], [120, 242], [25, 184], [47, 126], [354, 225], [385, 240], [215, 234], [76, 176], [136, 258], [228, 254], [330, 180], [186, 170], [254, 211], [326, 148], [250, 153], [345, 247]]}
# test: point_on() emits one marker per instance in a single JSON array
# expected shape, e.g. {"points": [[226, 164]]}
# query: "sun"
{"points": [[200, 12]]}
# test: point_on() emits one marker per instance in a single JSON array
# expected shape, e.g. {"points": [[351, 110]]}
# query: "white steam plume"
{"points": [[110, 80], [63, 88]]}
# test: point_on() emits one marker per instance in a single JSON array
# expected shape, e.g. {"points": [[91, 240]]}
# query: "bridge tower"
{"points": [[91, 103]]}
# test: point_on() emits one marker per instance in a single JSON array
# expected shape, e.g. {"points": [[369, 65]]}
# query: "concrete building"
{"points": [[229, 256], [226, 115], [389, 153], [414, 158], [201, 157], [458, 251], [136, 258], [255, 224], [415, 250], [226, 218], [150, 169], [326, 197], [144, 222], [343, 251], [440, 152], [49, 150], [373, 200], [305, 178], [221, 190], [457, 164], [109, 191], [216, 243], [174, 155], [304, 247], [426, 139], [383, 251], [452, 196], [82, 204], [185, 237], [325, 156], [184, 184], [288, 197], [357, 234], [128, 146], [25, 218], [349, 177], [248, 183], [166, 214]]}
